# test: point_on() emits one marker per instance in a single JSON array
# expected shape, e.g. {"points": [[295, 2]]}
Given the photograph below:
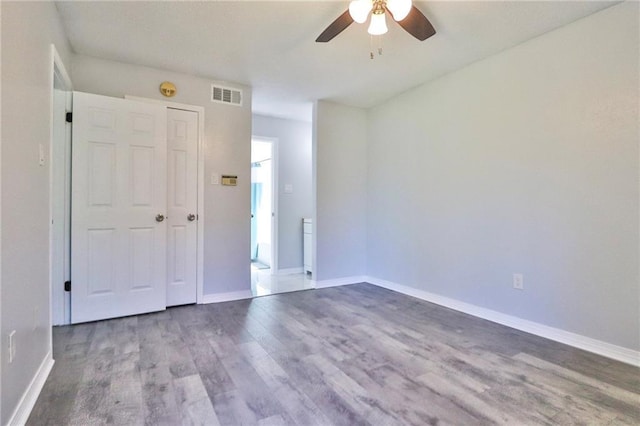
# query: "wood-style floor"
{"points": [[340, 356]]}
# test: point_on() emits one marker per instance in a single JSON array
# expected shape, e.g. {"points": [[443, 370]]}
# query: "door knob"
{"points": [[191, 217], [159, 217]]}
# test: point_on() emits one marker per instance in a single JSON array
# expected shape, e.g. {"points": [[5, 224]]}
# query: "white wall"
{"points": [[28, 29], [524, 162], [340, 161], [294, 167], [2, 335], [227, 151]]}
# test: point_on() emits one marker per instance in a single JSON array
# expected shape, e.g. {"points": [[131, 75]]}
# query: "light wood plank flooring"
{"points": [[352, 355]]}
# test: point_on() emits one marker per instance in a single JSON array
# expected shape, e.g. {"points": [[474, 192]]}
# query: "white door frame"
{"points": [[274, 199], [200, 210], [59, 313]]}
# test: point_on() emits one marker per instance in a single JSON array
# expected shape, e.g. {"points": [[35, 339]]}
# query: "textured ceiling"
{"points": [[270, 45]]}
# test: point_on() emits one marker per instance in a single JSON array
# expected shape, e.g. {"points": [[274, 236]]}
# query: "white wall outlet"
{"points": [[215, 179], [518, 281], [288, 188], [12, 346]]}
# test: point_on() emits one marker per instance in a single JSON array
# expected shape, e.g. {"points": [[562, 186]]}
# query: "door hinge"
{"points": [[69, 117], [67, 286]]}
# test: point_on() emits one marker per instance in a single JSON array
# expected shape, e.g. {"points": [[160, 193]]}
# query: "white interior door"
{"points": [[182, 202], [119, 199]]}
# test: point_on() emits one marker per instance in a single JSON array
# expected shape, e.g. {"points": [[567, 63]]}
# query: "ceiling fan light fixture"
{"points": [[378, 24], [408, 16], [359, 10], [399, 8]]}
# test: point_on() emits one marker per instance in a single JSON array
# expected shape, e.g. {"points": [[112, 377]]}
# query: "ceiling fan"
{"points": [[407, 15]]}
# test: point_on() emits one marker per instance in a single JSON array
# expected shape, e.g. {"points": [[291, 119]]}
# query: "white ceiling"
{"points": [[270, 45]]}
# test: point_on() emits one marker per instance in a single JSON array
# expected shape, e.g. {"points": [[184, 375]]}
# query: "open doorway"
{"points": [[292, 169], [263, 206]]}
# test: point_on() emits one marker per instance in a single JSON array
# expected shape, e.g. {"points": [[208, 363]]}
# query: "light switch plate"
{"points": [[288, 188], [215, 179]]}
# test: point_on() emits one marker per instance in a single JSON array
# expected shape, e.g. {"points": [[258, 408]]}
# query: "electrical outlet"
{"points": [[12, 346], [215, 179], [518, 281]]}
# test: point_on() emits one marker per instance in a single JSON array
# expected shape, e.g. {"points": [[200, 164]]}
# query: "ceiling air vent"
{"points": [[226, 95]]}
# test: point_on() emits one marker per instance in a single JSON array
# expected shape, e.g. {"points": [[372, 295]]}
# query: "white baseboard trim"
{"points": [[226, 297], [339, 281], [28, 401], [289, 271], [589, 344]]}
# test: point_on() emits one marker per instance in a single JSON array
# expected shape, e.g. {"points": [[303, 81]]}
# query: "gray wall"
{"points": [[294, 167], [227, 151], [524, 162], [340, 161], [28, 29]]}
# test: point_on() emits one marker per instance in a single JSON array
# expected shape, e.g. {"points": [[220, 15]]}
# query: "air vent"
{"points": [[226, 95]]}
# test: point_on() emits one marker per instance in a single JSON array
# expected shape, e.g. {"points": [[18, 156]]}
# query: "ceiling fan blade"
{"points": [[335, 28], [417, 25]]}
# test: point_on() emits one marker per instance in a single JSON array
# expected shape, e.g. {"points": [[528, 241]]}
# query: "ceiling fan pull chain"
{"points": [[379, 45], [371, 46]]}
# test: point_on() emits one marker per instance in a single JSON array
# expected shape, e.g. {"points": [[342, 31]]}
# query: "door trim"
{"points": [[200, 210], [60, 309]]}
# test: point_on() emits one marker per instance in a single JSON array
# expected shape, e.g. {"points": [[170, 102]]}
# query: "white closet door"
{"points": [[118, 240], [182, 202]]}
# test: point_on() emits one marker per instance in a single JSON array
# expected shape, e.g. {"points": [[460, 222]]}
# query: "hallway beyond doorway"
{"points": [[263, 203], [264, 283]]}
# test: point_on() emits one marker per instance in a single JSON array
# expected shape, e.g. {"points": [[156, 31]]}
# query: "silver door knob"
{"points": [[159, 217], [191, 217]]}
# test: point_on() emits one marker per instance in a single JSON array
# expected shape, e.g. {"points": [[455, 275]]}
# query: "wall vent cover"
{"points": [[226, 95]]}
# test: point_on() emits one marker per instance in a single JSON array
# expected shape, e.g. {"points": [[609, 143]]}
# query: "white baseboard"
{"points": [[339, 281], [30, 396], [226, 297], [599, 347], [289, 271]]}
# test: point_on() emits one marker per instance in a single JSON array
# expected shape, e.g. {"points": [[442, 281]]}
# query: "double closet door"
{"points": [[133, 207]]}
